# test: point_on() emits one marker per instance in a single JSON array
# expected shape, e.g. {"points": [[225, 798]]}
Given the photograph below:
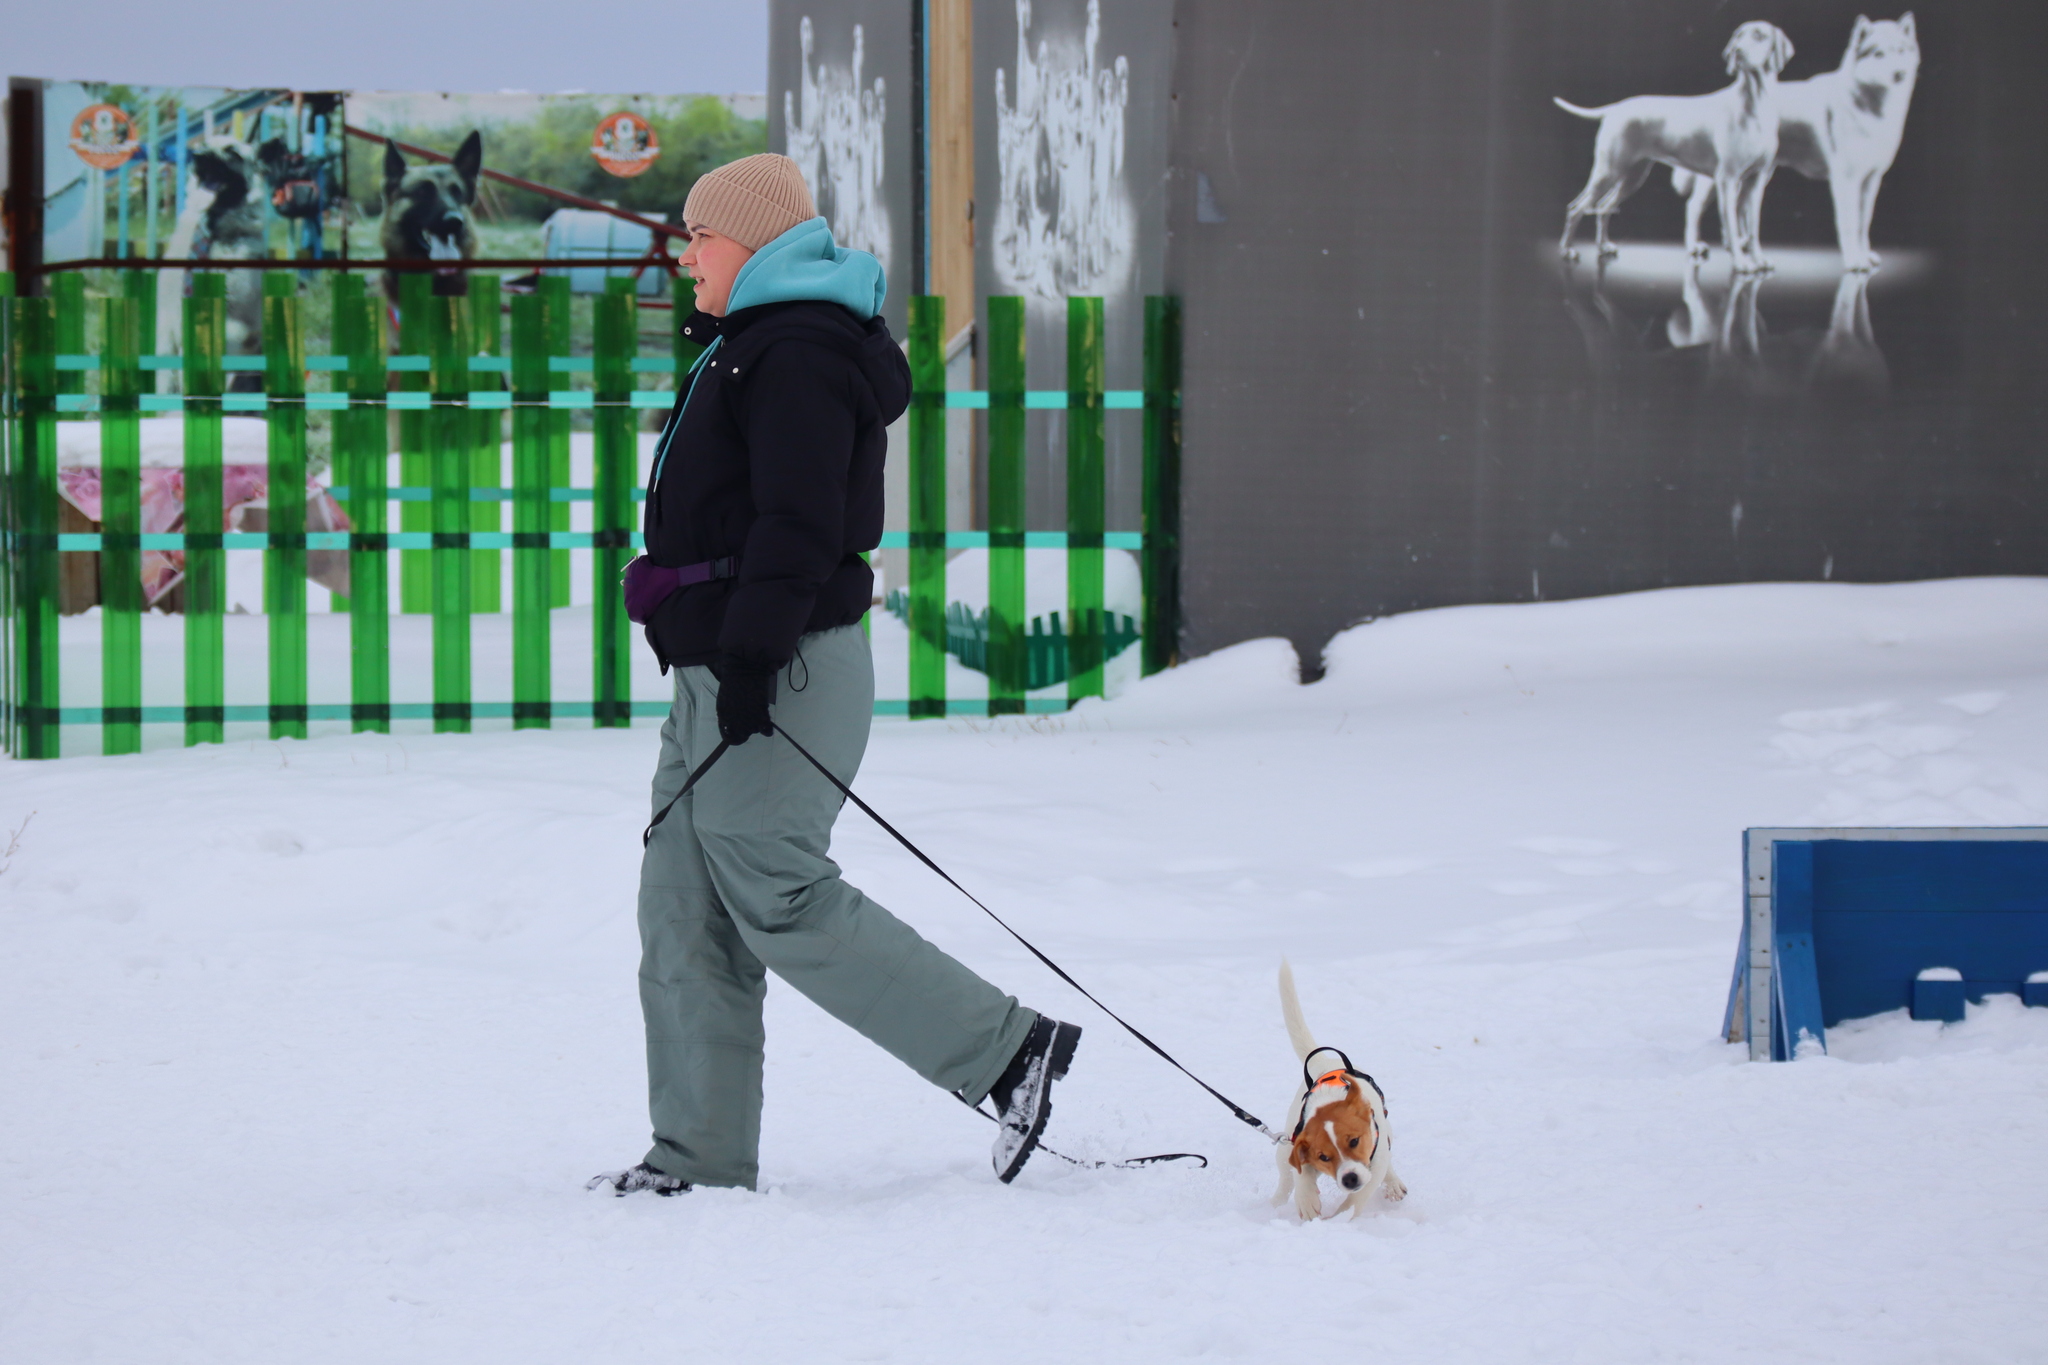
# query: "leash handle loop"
{"points": [[1243, 1115]]}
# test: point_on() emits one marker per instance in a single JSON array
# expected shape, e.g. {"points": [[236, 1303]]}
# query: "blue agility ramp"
{"points": [[1845, 923]]}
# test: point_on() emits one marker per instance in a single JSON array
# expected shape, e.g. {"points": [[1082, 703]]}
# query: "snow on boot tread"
{"points": [[1047, 1052]]}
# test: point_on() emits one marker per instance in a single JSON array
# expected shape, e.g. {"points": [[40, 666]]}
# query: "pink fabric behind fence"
{"points": [[163, 510]]}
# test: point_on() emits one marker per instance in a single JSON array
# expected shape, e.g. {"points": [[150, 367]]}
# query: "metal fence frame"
{"points": [[452, 384]]}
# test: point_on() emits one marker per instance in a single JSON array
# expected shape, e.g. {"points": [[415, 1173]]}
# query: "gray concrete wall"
{"points": [[1398, 397]]}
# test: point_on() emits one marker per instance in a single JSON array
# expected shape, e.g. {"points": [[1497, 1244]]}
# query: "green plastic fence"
{"points": [[455, 384]]}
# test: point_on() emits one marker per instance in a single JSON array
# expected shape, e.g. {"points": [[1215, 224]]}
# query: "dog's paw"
{"points": [[1568, 254], [1392, 1189], [1609, 249], [1700, 253]]}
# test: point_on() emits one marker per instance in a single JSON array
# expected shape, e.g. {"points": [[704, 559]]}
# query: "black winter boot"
{"points": [[641, 1177], [1023, 1093]]}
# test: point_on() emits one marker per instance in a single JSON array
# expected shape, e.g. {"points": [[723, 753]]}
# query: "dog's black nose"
{"points": [[1350, 1180]]}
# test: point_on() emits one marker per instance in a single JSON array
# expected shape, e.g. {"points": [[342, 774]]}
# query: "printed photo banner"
{"points": [[201, 174]]}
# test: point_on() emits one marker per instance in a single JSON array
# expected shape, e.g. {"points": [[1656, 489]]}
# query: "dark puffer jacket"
{"points": [[776, 457]]}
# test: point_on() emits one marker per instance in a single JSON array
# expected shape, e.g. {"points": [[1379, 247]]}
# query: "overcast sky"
{"points": [[670, 47]]}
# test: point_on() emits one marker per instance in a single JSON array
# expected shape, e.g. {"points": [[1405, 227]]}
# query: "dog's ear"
{"points": [[1781, 50], [271, 154], [1731, 55], [1906, 27], [394, 169], [469, 159], [1301, 1157]]}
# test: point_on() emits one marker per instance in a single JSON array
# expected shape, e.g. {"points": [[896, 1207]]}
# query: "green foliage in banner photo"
{"points": [[548, 139]]}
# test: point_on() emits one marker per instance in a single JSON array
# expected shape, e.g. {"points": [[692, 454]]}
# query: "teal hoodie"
{"points": [[805, 263]]}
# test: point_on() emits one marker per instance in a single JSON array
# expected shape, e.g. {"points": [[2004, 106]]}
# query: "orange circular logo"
{"points": [[104, 136], [625, 144]]}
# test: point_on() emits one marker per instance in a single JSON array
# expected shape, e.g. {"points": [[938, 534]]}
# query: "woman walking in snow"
{"points": [[766, 488]]}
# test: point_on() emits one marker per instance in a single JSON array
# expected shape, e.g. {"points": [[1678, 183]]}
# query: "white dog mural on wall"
{"points": [[1729, 137], [835, 126], [1064, 223], [1842, 127]]}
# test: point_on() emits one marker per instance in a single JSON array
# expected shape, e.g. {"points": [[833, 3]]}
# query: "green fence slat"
{"points": [[361, 460], [206, 566], [532, 642], [31, 344], [451, 432], [415, 454], [487, 434], [1160, 557], [1086, 496], [120, 527], [560, 319], [927, 507], [615, 339], [67, 291], [284, 563], [1008, 660], [140, 286]]}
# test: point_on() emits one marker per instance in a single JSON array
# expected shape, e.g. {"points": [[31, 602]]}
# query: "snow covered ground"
{"points": [[308, 1048]]}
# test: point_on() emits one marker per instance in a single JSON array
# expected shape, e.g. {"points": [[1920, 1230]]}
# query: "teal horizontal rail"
{"points": [[483, 400], [955, 706], [397, 710], [341, 492], [1033, 540], [1045, 398], [397, 364], [260, 713], [92, 542], [1132, 400]]}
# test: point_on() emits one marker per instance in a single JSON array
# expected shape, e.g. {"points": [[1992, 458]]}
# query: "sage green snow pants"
{"points": [[738, 881]]}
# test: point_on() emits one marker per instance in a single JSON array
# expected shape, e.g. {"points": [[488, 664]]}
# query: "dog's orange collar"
{"points": [[1331, 1078]]}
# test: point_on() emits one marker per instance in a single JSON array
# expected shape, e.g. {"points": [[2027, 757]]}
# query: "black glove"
{"points": [[745, 691]]}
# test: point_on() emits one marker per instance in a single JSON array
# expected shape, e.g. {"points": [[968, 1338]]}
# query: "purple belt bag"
{"points": [[648, 584]]}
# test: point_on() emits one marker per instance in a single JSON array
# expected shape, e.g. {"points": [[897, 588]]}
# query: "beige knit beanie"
{"points": [[753, 200]]}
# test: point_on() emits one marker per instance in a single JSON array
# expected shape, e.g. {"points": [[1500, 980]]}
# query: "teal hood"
{"points": [[805, 263]]}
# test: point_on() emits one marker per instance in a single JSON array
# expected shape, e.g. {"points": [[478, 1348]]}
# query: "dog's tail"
{"points": [[1571, 108], [1290, 1009]]}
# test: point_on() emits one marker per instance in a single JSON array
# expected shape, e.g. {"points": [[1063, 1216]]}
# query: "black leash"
{"points": [[1129, 1163], [702, 768], [1243, 1115]]}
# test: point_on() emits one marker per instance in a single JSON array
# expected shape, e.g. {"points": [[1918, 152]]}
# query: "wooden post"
{"points": [[949, 211]]}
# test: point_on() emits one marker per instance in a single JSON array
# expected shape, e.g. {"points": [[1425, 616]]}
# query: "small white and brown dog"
{"points": [[1339, 1119]]}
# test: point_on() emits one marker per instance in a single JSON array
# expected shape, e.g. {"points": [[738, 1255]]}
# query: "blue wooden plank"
{"points": [[1883, 911], [1797, 1010]]}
